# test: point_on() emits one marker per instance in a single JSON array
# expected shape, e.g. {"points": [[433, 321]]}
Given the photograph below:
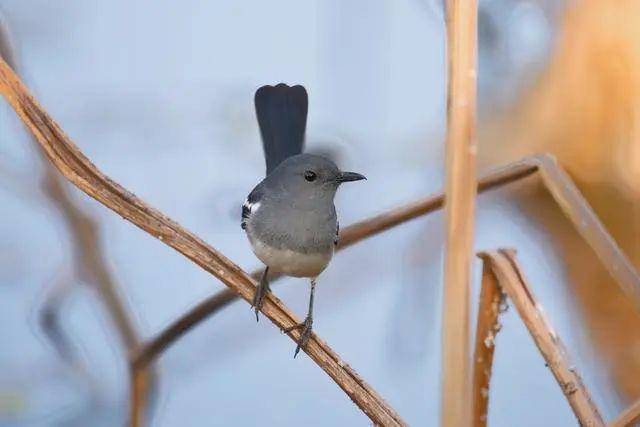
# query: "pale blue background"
{"points": [[159, 95]]}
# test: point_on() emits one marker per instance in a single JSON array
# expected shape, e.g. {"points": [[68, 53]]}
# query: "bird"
{"points": [[289, 217]]}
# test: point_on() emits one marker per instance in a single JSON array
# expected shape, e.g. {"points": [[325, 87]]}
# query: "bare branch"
{"points": [[72, 163], [513, 283], [487, 327]]}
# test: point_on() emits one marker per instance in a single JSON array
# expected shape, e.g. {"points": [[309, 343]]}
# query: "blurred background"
{"points": [[159, 95]]}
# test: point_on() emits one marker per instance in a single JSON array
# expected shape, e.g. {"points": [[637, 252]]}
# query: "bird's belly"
{"points": [[289, 262]]}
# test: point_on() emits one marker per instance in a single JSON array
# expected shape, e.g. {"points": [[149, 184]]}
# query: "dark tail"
{"points": [[282, 116]]}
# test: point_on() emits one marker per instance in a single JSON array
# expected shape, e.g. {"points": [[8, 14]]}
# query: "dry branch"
{"points": [[460, 188], [628, 417], [512, 281], [487, 327], [81, 172]]}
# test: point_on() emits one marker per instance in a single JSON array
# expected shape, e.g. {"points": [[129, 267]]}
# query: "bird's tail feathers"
{"points": [[282, 117]]}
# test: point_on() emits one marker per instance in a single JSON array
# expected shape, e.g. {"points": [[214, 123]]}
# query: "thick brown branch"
{"points": [[512, 281], [487, 327], [72, 163]]}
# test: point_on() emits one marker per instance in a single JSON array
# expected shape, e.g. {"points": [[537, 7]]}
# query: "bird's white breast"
{"points": [[290, 262]]}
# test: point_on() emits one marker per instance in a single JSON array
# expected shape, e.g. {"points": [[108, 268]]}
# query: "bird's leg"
{"points": [[262, 290], [306, 326]]}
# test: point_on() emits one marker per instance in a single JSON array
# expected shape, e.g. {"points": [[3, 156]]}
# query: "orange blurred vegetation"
{"points": [[585, 109]]}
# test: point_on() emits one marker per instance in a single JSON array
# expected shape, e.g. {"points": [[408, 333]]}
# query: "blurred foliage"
{"points": [[585, 109]]}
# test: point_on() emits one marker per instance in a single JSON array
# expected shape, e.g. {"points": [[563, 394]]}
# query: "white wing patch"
{"points": [[247, 209], [253, 207]]}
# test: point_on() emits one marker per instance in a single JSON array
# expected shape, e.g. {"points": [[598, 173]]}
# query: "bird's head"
{"points": [[309, 177]]}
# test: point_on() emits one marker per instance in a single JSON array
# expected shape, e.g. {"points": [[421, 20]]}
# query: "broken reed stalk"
{"points": [[628, 417], [72, 163], [460, 190], [557, 182], [89, 263], [487, 327], [512, 281]]}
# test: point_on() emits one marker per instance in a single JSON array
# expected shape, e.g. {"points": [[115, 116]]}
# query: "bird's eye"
{"points": [[310, 176]]}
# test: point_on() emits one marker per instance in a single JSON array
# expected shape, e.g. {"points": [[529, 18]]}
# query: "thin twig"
{"points": [[513, 283], [628, 417], [487, 327], [460, 188], [72, 163], [569, 199]]}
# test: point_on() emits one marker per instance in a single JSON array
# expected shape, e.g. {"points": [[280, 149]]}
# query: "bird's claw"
{"points": [[258, 297], [306, 327]]}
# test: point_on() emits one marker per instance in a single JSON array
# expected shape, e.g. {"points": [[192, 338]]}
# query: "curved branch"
{"points": [[72, 163]]}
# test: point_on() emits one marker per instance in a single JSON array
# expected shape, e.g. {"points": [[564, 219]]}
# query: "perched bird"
{"points": [[289, 217]]}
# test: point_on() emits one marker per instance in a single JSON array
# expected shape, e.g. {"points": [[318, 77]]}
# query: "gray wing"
{"points": [[336, 238]]}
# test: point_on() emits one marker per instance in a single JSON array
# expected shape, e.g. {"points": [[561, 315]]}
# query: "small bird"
{"points": [[289, 217]]}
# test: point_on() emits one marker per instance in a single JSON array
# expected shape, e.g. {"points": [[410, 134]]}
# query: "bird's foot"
{"points": [[306, 327], [258, 298]]}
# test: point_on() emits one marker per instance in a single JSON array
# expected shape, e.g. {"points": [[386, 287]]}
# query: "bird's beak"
{"points": [[349, 176]]}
